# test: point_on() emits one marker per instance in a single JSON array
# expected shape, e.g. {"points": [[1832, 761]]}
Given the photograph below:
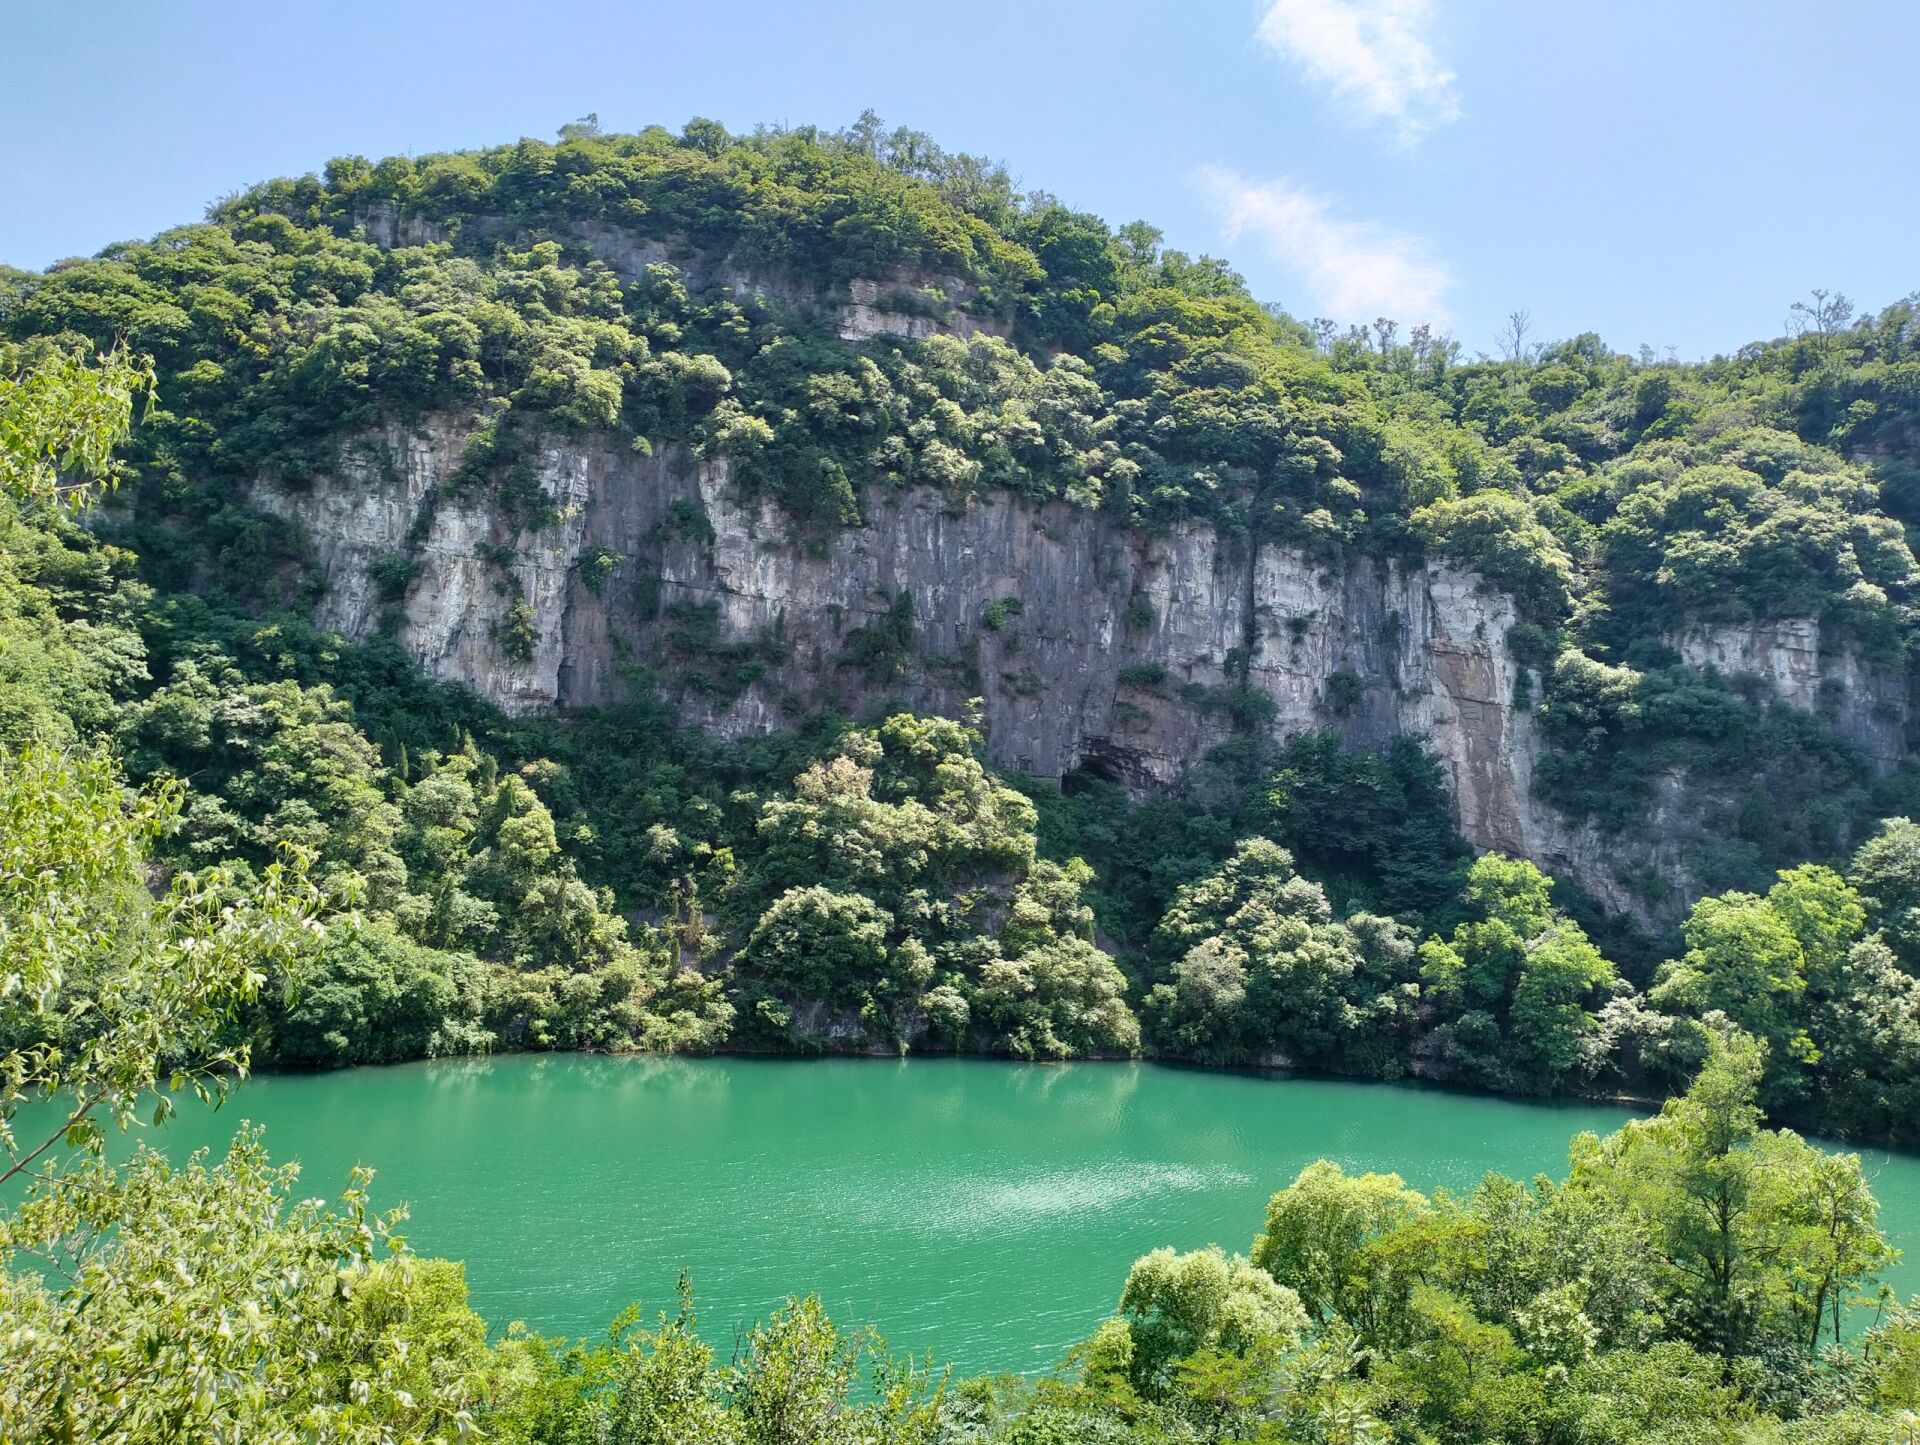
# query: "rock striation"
{"points": [[1093, 648]]}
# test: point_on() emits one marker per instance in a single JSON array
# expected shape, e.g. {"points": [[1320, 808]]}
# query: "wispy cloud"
{"points": [[1376, 56], [1352, 270]]}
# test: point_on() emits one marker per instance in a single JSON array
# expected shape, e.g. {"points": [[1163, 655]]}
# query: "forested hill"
{"points": [[592, 553]]}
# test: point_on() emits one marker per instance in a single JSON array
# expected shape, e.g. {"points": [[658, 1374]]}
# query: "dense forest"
{"points": [[233, 838], [613, 879]]}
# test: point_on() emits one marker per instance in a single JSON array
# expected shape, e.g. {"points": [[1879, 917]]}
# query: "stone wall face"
{"points": [[1113, 653], [1868, 708]]}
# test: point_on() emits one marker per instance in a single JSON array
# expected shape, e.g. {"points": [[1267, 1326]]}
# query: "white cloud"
{"points": [[1352, 270], [1376, 56]]}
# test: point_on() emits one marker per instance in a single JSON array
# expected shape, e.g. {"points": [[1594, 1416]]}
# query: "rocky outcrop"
{"points": [[1788, 662], [909, 304], [1093, 649], [391, 503], [912, 307], [385, 225]]}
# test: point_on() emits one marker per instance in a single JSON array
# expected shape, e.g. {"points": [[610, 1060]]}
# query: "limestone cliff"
{"points": [[908, 304], [1094, 648], [1788, 657]]}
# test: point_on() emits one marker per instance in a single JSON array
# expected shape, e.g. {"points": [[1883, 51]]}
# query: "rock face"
{"points": [[909, 304], [1093, 648], [1868, 708]]}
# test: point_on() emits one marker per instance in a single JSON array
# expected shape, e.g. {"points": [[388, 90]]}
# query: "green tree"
{"points": [[111, 990], [1518, 985], [1175, 1306], [814, 943], [1869, 1032], [118, 991], [1886, 874], [370, 995], [794, 1386], [207, 1302], [1756, 1233], [63, 413], [1744, 960], [1261, 968], [1056, 1001], [182, 1302], [1322, 1240]]}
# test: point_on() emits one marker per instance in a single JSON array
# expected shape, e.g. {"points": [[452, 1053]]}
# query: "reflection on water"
{"points": [[985, 1211]]}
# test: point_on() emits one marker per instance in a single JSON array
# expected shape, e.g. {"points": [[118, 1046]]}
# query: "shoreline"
{"points": [[1641, 1105]]}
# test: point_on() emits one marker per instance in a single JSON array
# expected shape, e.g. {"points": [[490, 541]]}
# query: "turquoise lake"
{"points": [[984, 1210]]}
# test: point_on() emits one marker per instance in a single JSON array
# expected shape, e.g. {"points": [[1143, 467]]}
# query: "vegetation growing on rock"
{"points": [[228, 834], [616, 881]]}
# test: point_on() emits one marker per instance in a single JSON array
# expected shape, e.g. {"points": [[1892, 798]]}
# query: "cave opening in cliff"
{"points": [[1099, 763]]}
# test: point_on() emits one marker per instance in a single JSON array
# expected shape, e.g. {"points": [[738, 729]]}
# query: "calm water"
{"points": [[986, 1211]]}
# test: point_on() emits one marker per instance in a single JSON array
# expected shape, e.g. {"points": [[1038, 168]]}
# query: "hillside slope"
{"points": [[859, 369], [757, 435]]}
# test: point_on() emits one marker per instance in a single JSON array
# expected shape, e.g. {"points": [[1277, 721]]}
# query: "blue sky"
{"points": [[1669, 172]]}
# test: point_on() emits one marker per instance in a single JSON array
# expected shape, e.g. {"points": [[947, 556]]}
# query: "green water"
{"points": [[986, 1211]]}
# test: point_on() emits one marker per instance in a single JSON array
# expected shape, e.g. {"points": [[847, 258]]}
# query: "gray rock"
{"points": [[1116, 661]]}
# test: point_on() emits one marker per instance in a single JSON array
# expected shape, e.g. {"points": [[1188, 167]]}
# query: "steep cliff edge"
{"points": [[1094, 648], [978, 444]]}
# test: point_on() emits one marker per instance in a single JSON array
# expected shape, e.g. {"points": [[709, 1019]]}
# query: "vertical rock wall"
{"points": [[1092, 647]]}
